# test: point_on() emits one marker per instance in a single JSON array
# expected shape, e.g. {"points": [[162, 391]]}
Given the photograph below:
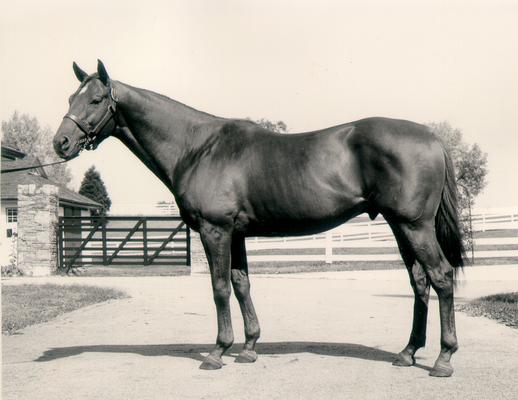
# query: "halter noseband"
{"points": [[91, 133]]}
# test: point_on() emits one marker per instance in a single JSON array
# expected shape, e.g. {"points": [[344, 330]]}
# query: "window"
{"points": [[12, 214]]}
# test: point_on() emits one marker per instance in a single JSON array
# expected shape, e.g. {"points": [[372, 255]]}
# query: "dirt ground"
{"points": [[324, 336]]}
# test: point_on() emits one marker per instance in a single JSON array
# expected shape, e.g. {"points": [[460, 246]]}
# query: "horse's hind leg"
{"points": [[421, 286], [241, 284], [421, 238]]}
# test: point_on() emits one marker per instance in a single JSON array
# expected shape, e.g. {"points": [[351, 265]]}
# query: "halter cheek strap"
{"points": [[92, 133]]}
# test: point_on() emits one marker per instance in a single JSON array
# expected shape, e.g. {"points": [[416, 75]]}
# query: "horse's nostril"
{"points": [[65, 143]]}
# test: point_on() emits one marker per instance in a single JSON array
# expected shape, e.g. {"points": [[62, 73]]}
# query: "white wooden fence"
{"points": [[360, 233]]}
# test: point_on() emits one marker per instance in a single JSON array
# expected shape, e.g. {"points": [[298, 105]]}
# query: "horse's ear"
{"points": [[80, 74], [101, 71]]}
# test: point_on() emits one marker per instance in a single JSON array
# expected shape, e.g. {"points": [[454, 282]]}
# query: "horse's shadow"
{"points": [[194, 351]]}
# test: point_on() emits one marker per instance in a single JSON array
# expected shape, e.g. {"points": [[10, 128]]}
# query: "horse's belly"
{"points": [[301, 219]]}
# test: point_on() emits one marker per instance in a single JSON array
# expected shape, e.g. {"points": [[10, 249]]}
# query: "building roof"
{"points": [[23, 164], [11, 180], [10, 153]]}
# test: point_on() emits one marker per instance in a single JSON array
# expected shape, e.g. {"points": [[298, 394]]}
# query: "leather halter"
{"points": [[92, 133]]}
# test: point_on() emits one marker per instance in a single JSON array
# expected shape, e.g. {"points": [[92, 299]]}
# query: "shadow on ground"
{"points": [[194, 351]]}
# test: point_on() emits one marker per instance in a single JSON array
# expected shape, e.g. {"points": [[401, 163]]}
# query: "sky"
{"points": [[311, 64]]}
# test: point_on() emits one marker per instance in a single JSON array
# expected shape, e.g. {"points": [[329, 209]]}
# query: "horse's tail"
{"points": [[447, 226]]}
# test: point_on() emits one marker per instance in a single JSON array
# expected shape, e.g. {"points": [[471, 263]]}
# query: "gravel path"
{"points": [[324, 335]]}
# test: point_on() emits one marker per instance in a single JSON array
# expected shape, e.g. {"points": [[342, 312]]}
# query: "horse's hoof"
{"points": [[246, 356], [441, 370], [404, 359], [211, 363]]}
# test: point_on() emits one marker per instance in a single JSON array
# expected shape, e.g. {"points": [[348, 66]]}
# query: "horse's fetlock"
{"points": [[253, 333], [417, 342], [225, 343], [450, 345]]}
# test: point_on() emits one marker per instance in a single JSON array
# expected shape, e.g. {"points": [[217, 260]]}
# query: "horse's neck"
{"points": [[158, 130]]}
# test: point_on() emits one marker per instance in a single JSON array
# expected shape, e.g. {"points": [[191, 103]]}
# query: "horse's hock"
{"points": [[37, 219]]}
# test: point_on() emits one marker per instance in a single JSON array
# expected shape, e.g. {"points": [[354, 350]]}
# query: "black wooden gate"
{"points": [[123, 241]]}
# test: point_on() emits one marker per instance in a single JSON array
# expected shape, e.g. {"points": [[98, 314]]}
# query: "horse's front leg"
{"points": [[216, 242], [241, 284]]}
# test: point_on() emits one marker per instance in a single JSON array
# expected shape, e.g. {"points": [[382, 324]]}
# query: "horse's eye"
{"points": [[96, 100]]}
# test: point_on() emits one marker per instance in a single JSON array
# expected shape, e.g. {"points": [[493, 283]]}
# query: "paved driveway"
{"points": [[324, 335]]}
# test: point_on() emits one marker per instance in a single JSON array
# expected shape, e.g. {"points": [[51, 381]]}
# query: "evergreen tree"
{"points": [[93, 187]]}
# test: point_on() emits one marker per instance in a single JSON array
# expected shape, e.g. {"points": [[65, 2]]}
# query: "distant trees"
{"points": [[24, 133], [94, 188], [278, 126], [471, 170]]}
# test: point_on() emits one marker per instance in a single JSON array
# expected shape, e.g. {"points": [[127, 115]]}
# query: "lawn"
{"points": [[29, 304], [502, 307], [496, 233], [132, 270], [291, 267]]}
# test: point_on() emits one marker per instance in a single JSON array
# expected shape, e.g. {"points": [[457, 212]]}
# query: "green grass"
{"points": [[292, 267], [491, 261], [132, 270], [502, 307], [496, 233], [483, 247], [29, 304], [321, 251]]}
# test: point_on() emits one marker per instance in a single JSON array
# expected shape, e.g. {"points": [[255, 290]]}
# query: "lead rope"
{"points": [[31, 167]]}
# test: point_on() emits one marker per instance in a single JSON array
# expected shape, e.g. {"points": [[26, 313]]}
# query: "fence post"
{"points": [[329, 247], [61, 238], [188, 237], [104, 242], [199, 262], [144, 239]]}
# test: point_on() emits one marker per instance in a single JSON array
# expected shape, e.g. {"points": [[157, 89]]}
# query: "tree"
{"points": [[93, 187], [24, 133], [471, 171], [278, 126]]}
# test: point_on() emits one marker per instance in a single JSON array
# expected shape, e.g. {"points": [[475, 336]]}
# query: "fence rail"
{"points": [[359, 235]]}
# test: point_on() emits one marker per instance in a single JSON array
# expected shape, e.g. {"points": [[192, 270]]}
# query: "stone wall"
{"points": [[199, 264], [37, 222]]}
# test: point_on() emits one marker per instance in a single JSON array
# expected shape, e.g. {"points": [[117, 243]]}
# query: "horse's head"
{"points": [[91, 116]]}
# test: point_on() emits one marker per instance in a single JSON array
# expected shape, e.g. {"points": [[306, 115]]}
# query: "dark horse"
{"points": [[233, 179]]}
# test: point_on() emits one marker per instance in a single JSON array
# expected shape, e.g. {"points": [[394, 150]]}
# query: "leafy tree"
{"points": [[93, 187], [471, 170], [24, 133], [278, 126]]}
